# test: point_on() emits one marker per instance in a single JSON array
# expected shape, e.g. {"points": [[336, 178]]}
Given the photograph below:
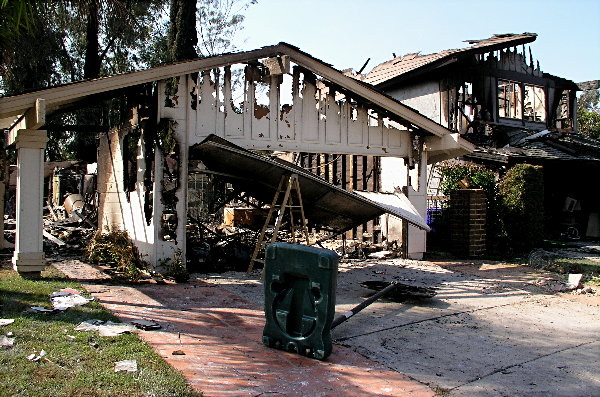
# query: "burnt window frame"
{"points": [[518, 108], [544, 101], [520, 112]]}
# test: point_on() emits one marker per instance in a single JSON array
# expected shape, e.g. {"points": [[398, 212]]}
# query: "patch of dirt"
{"points": [[522, 277], [587, 299]]}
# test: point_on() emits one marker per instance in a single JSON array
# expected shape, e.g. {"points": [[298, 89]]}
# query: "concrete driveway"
{"points": [[492, 330]]}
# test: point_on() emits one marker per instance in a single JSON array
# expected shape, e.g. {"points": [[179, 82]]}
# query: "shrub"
{"points": [[116, 250], [175, 268], [522, 194], [470, 176]]}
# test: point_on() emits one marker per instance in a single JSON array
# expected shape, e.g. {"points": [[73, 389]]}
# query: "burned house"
{"points": [[187, 120], [495, 95]]}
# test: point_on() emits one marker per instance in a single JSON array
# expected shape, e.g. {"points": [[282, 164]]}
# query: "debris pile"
{"points": [[365, 249], [218, 247], [116, 250]]}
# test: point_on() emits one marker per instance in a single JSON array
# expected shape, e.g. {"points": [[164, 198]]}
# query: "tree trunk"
{"points": [[183, 36], [91, 68]]}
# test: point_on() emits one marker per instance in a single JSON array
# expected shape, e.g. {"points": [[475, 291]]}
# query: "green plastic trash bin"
{"points": [[300, 284]]}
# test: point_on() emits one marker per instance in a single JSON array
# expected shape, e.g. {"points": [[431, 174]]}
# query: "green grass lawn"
{"points": [[589, 268], [77, 363]]}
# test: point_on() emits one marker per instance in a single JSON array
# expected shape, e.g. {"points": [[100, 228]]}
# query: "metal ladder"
{"points": [[292, 202]]}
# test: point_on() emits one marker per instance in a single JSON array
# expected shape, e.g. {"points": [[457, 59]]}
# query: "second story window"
{"points": [[534, 104], [509, 100], [521, 101]]}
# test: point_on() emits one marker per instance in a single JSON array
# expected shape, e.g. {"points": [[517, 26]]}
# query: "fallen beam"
{"points": [[364, 304]]}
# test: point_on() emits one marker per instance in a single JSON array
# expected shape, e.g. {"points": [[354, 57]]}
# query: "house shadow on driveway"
{"points": [[489, 331]]}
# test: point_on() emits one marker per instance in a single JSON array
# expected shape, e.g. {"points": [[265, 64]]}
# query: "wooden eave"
{"points": [[14, 106]]}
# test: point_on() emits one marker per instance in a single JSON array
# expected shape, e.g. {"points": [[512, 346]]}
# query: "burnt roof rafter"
{"points": [[412, 65]]}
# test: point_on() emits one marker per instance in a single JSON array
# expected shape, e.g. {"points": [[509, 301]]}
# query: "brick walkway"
{"points": [[221, 336]]}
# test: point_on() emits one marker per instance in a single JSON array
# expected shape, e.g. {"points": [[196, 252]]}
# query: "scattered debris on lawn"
{"points": [[145, 325], [126, 366], [402, 292], [105, 328], [6, 342], [41, 309], [6, 321], [66, 298], [36, 357], [62, 300]]}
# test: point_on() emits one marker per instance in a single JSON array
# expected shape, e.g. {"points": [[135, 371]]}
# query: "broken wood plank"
{"points": [[53, 239], [54, 217]]}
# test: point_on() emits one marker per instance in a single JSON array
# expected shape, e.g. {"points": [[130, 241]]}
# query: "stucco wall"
{"points": [[423, 97]]}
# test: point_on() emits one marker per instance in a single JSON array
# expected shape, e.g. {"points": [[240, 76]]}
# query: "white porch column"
{"points": [[28, 256]]}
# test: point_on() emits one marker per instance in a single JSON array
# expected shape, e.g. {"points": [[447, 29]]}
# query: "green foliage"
{"points": [[588, 113], [219, 22], [17, 15], [45, 43], [589, 268], [29, 58], [589, 100], [116, 250], [166, 136], [515, 216], [522, 194], [588, 123], [77, 363], [471, 176], [175, 268]]}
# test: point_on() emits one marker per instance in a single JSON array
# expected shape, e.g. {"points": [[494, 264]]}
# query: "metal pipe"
{"points": [[364, 304]]}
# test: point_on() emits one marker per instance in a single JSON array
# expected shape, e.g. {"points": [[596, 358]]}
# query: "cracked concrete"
{"points": [[490, 331]]}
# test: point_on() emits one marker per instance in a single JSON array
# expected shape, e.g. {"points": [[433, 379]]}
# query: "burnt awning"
{"points": [[325, 205]]}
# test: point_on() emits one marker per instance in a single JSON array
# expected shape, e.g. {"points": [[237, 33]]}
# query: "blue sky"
{"points": [[347, 32]]}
